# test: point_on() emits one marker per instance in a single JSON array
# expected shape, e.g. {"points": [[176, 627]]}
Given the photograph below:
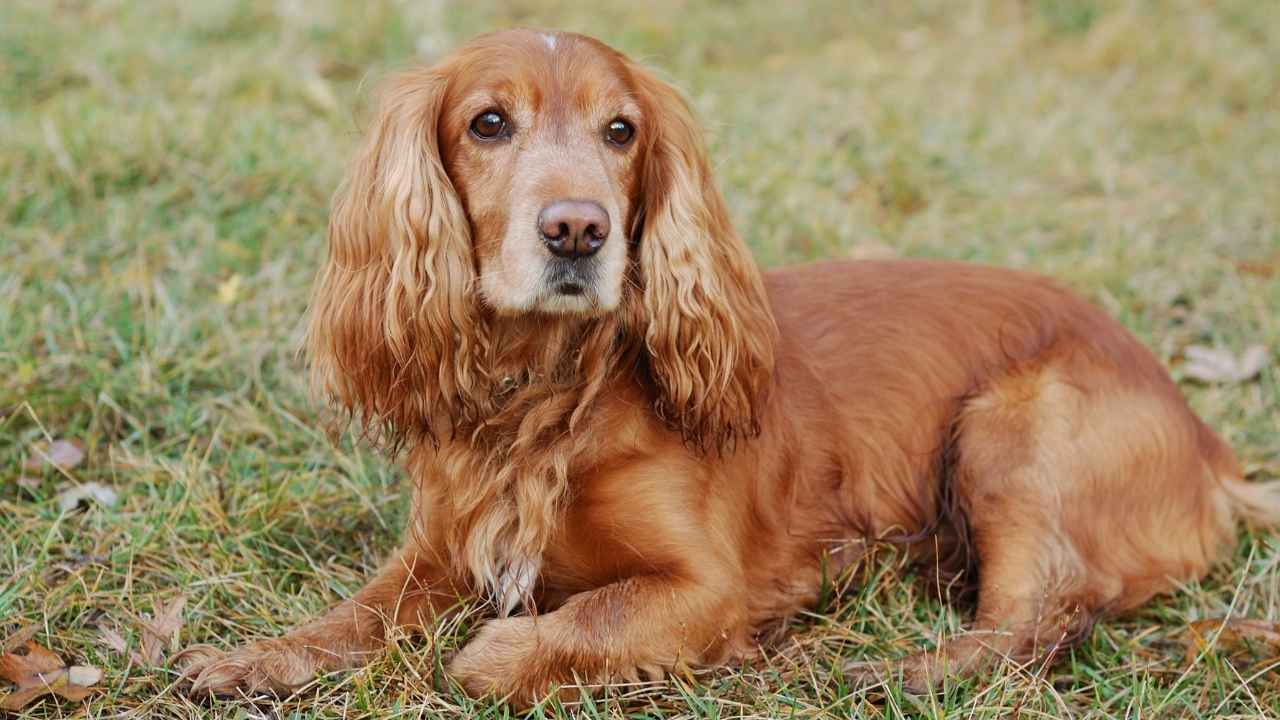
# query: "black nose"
{"points": [[573, 228]]}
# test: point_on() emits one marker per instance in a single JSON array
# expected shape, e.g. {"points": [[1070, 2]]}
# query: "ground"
{"points": [[165, 169]]}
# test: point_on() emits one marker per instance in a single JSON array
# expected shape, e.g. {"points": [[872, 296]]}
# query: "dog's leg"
{"points": [[1011, 474], [408, 590], [1085, 492], [634, 629], [1029, 604]]}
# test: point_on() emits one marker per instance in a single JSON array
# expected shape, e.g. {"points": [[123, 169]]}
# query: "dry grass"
{"points": [[164, 175]]}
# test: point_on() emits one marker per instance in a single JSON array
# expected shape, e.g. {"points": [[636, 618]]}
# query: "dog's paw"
{"points": [[277, 666], [507, 659], [491, 663]]}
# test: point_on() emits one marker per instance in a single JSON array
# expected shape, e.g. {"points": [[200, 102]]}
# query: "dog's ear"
{"points": [[392, 335], [708, 330]]}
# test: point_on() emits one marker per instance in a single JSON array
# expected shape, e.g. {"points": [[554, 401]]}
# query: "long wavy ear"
{"points": [[708, 330], [392, 335]]}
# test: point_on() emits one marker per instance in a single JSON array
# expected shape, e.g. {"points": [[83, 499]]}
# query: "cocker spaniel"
{"points": [[641, 451]]}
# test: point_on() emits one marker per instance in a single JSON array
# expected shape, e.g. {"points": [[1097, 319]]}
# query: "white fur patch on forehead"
{"points": [[550, 40], [630, 109]]}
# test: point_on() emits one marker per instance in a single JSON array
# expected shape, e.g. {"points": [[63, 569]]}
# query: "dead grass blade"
{"points": [[1233, 635]]}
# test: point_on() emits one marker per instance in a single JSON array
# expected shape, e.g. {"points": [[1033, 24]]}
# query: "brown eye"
{"points": [[619, 132], [488, 125]]}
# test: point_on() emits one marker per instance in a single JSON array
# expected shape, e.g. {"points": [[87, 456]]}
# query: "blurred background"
{"points": [[166, 167]]}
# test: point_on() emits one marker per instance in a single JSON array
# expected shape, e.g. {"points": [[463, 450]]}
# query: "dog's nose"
{"points": [[573, 228]]}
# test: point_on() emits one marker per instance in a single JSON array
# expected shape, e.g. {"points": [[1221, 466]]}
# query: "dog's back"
{"points": [[998, 402]]}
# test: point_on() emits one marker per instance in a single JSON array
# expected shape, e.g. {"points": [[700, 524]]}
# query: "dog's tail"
{"points": [[1257, 503]]}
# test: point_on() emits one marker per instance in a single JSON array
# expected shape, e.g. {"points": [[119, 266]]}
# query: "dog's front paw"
{"points": [[503, 661], [277, 666]]}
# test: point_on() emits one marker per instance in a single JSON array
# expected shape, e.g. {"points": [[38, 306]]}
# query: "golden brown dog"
{"points": [[641, 451]]}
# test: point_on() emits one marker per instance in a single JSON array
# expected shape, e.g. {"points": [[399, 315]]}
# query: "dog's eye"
{"points": [[488, 125], [619, 132]]}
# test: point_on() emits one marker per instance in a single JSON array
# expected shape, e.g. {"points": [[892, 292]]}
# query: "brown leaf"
{"points": [[1262, 268], [39, 671], [19, 638], [1232, 634], [158, 631], [155, 633], [338, 70], [113, 640], [65, 454]]}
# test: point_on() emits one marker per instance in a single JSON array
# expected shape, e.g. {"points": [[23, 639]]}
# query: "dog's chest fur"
{"points": [[497, 513], [514, 584]]}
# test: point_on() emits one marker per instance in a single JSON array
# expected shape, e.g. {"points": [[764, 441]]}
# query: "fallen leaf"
{"points": [[71, 498], [25, 374], [84, 675], [872, 250], [228, 290], [155, 632], [39, 671], [1262, 268], [19, 638], [338, 70], [113, 640], [159, 630], [65, 454], [70, 565], [1254, 470], [1232, 634], [1208, 364], [318, 93]]}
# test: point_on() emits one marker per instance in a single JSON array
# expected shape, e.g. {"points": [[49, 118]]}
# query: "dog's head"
{"points": [[535, 175]]}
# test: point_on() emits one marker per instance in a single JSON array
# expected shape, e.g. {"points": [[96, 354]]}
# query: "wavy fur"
{"points": [[662, 473], [708, 331], [393, 336]]}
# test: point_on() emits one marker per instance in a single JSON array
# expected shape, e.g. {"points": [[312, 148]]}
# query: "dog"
{"points": [[640, 452]]}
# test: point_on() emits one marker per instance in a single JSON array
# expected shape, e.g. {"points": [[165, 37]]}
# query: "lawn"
{"points": [[165, 170]]}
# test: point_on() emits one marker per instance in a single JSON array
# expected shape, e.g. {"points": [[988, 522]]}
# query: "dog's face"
{"points": [[536, 174], [539, 135]]}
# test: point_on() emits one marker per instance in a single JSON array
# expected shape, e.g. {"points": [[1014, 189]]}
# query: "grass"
{"points": [[165, 170]]}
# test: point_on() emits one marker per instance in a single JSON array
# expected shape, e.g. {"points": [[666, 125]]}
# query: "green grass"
{"points": [[153, 153]]}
